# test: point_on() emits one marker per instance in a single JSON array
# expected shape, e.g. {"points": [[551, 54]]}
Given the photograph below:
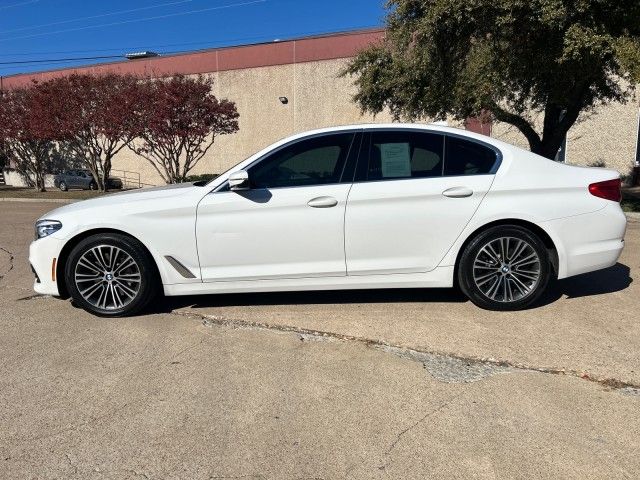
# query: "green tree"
{"points": [[513, 59]]}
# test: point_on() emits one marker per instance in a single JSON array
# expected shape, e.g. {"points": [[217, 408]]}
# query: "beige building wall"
{"points": [[608, 136], [318, 98]]}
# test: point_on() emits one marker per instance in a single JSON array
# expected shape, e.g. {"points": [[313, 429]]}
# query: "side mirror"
{"points": [[239, 181]]}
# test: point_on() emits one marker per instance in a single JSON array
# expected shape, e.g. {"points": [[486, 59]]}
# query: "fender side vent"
{"points": [[180, 268]]}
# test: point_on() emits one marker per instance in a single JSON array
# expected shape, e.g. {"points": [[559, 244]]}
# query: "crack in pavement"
{"points": [[11, 262], [401, 434], [71, 464], [409, 353]]}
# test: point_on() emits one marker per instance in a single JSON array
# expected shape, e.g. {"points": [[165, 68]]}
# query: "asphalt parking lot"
{"points": [[330, 385]]}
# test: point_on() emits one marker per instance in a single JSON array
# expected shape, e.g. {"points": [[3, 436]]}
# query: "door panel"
{"points": [[268, 234], [403, 226]]}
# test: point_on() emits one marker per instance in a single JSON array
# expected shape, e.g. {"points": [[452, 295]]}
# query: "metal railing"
{"points": [[129, 179]]}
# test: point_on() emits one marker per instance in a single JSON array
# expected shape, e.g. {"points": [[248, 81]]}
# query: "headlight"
{"points": [[45, 228]]}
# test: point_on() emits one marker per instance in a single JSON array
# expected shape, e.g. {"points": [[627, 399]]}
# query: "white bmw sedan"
{"points": [[364, 206]]}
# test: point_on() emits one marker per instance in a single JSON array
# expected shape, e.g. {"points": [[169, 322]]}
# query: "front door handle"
{"points": [[322, 202], [458, 192]]}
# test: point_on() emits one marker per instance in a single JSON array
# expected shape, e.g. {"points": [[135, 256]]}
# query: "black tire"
{"points": [[93, 186], [117, 282], [521, 280], [63, 186]]}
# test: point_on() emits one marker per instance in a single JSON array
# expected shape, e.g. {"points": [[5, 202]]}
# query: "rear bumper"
{"points": [[588, 242]]}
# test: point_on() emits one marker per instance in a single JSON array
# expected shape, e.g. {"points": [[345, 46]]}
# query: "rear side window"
{"points": [[394, 155], [468, 158]]}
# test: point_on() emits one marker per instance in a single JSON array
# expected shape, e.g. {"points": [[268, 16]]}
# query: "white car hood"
{"points": [[128, 197]]}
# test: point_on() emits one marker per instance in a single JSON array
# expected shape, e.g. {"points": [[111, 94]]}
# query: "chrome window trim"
{"points": [[223, 187]]}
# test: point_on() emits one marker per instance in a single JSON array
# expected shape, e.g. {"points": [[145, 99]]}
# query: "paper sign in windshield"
{"points": [[396, 160]]}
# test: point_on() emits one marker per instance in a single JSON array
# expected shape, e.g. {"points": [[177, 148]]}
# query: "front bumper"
{"points": [[42, 255]]}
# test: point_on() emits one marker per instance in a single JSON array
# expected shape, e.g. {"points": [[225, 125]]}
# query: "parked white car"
{"points": [[364, 206]]}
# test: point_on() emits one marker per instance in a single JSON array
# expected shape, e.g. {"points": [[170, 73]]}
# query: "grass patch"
{"points": [[630, 200]]}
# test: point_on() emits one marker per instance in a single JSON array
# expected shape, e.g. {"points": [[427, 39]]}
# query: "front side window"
{"points": [[468, 158], [394, 155], [314, 161]]}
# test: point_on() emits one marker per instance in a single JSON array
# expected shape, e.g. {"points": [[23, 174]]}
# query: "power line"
{"points": [[135, 20], [29, 2], [210, 44], [17, 64], [56, 60], [102, 15]]}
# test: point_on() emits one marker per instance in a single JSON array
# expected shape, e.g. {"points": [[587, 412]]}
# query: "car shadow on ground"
{"points": [[330, 297], [610, 280]]}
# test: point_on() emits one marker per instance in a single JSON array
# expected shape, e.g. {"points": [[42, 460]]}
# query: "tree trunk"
{"points": [[547, 148], [106, 170], [39, 183]]}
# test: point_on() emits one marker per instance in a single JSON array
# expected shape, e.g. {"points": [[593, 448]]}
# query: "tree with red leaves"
{"points": [[96, 117], [23, 142], [179, 121]]}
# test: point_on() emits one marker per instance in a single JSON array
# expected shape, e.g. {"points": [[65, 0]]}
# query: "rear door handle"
{"points": [[322, 202], [458, 192]]}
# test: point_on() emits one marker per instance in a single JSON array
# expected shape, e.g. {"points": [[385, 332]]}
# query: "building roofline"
{"points": [[327, 46]]}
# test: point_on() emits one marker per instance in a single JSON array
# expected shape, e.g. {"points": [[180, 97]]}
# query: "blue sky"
{"points": [[60, 29]]}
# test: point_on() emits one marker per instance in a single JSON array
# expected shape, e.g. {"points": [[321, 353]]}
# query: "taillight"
{"points": [[609, 190]]}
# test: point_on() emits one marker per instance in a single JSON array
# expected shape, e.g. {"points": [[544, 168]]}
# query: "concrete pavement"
{"points": [[385, 384]]}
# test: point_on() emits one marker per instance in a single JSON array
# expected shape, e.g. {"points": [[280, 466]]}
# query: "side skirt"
{"points": [[441, 277]]}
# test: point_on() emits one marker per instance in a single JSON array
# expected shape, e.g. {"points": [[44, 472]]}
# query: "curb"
{"points": [[38, 200]]}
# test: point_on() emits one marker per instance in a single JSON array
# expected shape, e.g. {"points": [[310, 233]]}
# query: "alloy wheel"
{"points": [[506, 269], [107, 277]]}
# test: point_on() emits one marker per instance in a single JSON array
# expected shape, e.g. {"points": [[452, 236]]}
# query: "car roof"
{"points": [[429, 127]]}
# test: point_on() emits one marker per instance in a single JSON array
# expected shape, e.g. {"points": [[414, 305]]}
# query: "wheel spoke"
{"points": [[520, 283], [520, 247], [494, 288], [508, 283], [126, 264], [519, 274], [84, 262], [91, 290], [533, 257], [116, 297], [97, 253], [126, 289], [504, 248], [492, 253]]}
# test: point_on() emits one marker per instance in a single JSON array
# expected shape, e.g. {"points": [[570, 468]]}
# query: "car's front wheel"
{"points": [[63, 186], [505, 268], [111, 275]]}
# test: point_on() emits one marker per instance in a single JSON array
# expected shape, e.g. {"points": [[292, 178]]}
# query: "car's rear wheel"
{"points": [[92, 185], [111, 275], [63, 186], [504, 268]]}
